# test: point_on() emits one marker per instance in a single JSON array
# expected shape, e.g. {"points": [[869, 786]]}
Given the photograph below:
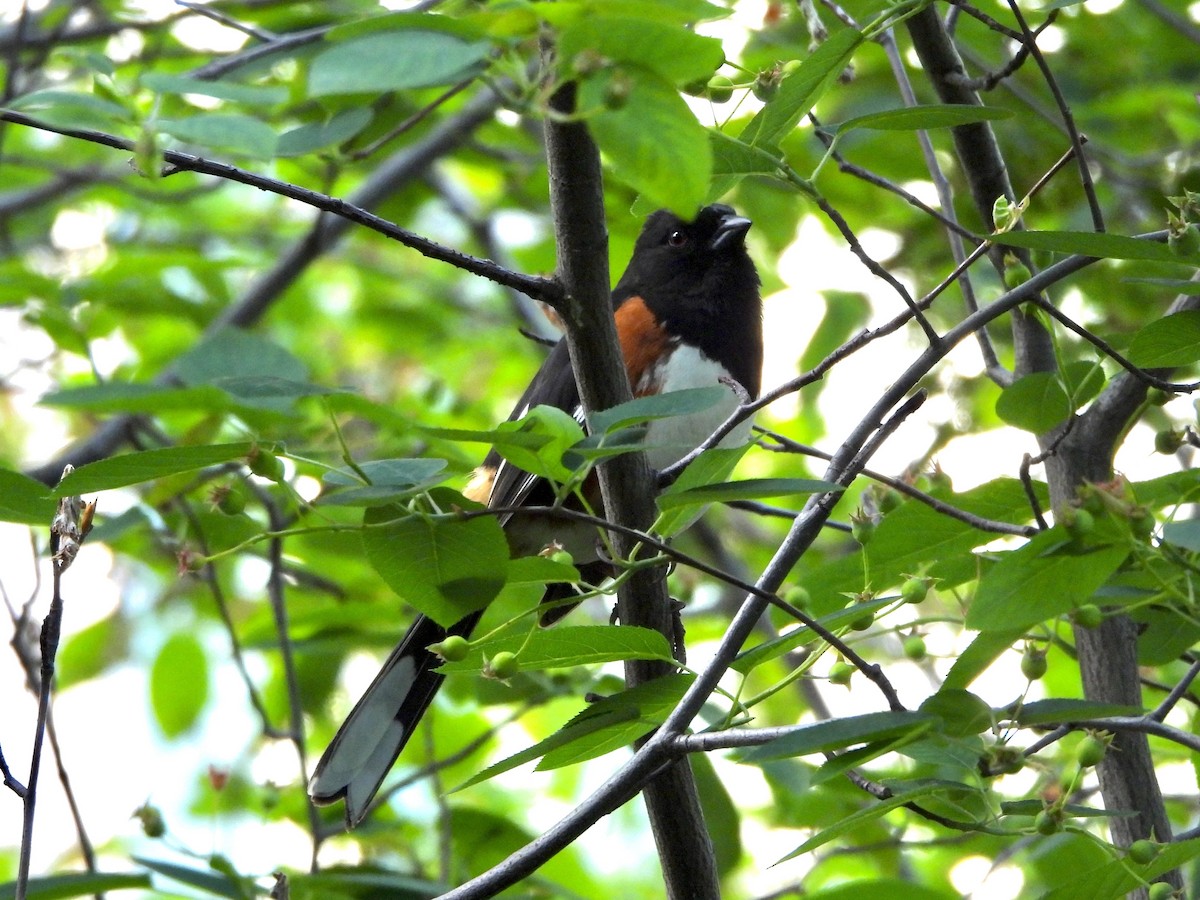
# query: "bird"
{"points": [[688, 314]]}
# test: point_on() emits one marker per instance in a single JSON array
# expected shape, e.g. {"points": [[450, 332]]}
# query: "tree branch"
{"points": [[399, 170], [627, 487]]}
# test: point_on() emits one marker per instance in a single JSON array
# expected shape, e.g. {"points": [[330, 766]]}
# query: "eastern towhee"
{"points": [[688, 315]]}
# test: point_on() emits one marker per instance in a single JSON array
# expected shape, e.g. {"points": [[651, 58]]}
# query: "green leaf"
{"points": [[678, 55], [89, 652], [444, 566], [117, 396], [570, 645], [851, 822], [750, 489], [253, 94], [1083, 381], [1041, 400], [319, 135], [210, 882], [881, 887], [962, 713], [710, 467], [1032, 807], [1036, 403], [337, 882], [734, 157], [838, 734], [657, 406], [679, 12], [1185, 534], [540, 570], [584, 725], [396, 59], [71, 110], [1065, 710], [923, 118], [1117, 878], [1100, 245], [147, 465], [799, 91], [232, 353], [651, 703], [224, 131], [651, 138], [1176, 285], [802, 634], [81, 884], [179, 683], [390, 479], [547, 433], [1035, 583], [605, 725], [1168, 342], [24, 500]]}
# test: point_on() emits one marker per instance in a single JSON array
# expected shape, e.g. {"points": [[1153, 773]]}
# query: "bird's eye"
{"points": [[677, 239]]}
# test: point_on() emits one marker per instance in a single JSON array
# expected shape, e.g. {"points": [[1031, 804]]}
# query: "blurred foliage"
{"points": [[122, 278]]}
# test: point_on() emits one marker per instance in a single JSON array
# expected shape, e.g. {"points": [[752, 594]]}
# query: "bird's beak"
{"points": [[732, 230]]}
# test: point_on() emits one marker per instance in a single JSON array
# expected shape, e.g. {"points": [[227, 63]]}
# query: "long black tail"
{"points": [[365, 747]]}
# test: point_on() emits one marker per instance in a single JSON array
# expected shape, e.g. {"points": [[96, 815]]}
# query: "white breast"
{"points": [[670, 439]]}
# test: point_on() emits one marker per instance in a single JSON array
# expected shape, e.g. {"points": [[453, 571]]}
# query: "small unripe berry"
{"points": [[862, 527], [1016, 273], [914, 648], [1183, 239], [841, 672], [1087, 615], [452, 649], [914, 590], [889, 500], [1091, 751], [1168, 441], [766, 84], [229, 499], [1048, 821], [503, 665], [1143, 852], [1033, 663], [863, 622], [1142, 522], [151, 819], [797, 596], [1078, 522], [720, 89], [265, 465]]}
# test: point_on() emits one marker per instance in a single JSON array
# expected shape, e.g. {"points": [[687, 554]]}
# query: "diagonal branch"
{"points": [[399, 170], [543, 289]]}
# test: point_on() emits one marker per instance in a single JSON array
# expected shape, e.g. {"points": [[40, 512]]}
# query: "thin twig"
{"points": [[228, 21], [1030, 494], [875, 268], [1159, 713], [1115, 355], [1085, 175], [546, 290], [899, 484], [275, 595]]}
